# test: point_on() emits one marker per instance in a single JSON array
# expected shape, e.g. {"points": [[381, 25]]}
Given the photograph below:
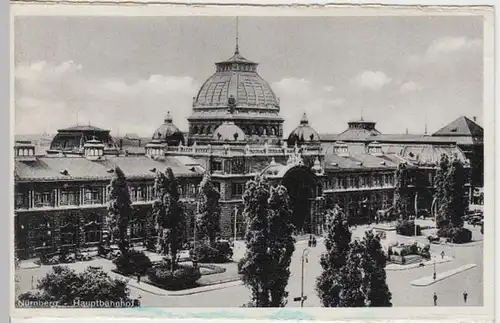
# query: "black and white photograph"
{"points": [[239, 161]]}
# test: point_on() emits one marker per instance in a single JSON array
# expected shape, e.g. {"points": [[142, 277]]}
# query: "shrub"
{"points": [[456, 235], [218, 252], [181, 278], [407, 228], [133, 262]]}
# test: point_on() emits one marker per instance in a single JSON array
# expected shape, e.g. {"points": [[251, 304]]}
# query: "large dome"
{"points": [[303, 133], [168, 132], [236, 78]]}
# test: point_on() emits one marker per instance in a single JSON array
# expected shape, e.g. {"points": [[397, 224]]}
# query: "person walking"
{"points": [[435, 297], [465, 296], [442, 254], [138, 278]]}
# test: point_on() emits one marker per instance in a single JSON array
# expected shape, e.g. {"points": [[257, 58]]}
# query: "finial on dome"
{"points": [[273, 161], [304, 120], [168, 118], [237, 50]]}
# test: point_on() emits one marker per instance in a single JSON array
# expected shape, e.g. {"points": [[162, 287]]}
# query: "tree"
{"points": [[119, 208], [281, 243], [337, 243], [169, 216], [351, 278], [401, 181], [254, 266], [375, 287], [449, 192], [64, 286], [208, 219]]}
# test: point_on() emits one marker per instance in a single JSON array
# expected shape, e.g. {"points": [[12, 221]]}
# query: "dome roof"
{"points": [[303, 133], [236, 77], [228, 131], [168, 132]]}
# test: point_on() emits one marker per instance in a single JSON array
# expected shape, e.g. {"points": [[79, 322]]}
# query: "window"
{"points": [[43, 199], [137, 193], [238, 188], [93, 195], [21, 200], [217, 166], [217, 186], [92, 234], [70, 197], [68, 232]]}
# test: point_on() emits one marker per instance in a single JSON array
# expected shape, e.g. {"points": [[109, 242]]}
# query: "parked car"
{"points": [[433, 239]]}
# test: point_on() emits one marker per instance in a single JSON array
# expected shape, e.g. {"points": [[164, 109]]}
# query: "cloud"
{"points": [[410, 86], [53, 96], [371, 80], [446, 50], [300, 95]]}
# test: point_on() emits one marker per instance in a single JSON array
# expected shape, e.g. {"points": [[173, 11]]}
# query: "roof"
{"points": [[83, 128], [80, 168], [237, 58], [399, 138], [462, 126], [360, 161]]}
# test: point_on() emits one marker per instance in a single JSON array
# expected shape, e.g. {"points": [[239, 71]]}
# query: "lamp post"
{"points": [[434, 274], [305, 252], [235, 222]]}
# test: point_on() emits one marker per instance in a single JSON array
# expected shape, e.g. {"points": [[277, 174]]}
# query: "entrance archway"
{"points": [[302, 189]]}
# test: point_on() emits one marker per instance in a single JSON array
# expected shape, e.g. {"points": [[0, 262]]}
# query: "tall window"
{"points": [[70, 197], [238, 188], [43, 199], [217, 166], [21, 200], [92, 233], [93, 195]]}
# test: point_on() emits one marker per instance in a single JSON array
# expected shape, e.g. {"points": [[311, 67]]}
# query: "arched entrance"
{"points": [[302, 189]]}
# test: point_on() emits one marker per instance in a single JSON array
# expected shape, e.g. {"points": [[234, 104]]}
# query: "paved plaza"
{"points": [[449, 289]]}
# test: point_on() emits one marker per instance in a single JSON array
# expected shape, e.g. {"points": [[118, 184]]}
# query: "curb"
{"points": [[414, 266], [443, 276], [215, 287]]}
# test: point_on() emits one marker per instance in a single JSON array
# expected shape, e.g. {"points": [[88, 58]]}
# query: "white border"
{"points": [[130, 9]]}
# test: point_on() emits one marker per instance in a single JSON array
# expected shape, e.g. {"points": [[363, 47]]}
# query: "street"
{"points": [[449, 291]]}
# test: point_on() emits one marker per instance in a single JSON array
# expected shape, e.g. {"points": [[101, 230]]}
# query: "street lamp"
{"points": [[305, 252], [434, 274], [235, 221]]}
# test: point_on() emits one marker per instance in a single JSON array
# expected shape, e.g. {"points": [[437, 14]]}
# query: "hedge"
{"points": [[133, 262], [407, 228], [181, 278], [218, 252], [456, 235]]}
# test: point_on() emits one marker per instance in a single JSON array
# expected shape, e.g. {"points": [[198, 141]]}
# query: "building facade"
{"points": [[235, 133]]}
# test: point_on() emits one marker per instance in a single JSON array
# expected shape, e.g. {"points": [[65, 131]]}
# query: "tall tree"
{"points": [[401, 181], [255, 265], [375, 287], [449, 192], [169, 215], [208, 219], [119, 208], [337, 243], [351, 278], [281, 244], [440, 189]]}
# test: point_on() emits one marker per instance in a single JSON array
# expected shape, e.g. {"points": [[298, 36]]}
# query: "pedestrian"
{"points": [[442, 254], [435, 297], [314, 242], [309, 243], [465, 296], [138, 278]]}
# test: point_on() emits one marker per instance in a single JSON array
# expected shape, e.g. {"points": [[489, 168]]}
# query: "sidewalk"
{"points": [[395, 267], [429, 280]]}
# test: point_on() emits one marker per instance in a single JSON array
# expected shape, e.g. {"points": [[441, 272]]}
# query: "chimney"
{"points": [[474, 118]]}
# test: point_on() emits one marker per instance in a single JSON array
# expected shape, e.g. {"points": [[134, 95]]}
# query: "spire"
{"points": [[237, 50], [425, 124], [361, 114]]}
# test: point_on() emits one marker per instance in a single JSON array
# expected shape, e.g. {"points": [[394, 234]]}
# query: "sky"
{"points": [[125, 73]]}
